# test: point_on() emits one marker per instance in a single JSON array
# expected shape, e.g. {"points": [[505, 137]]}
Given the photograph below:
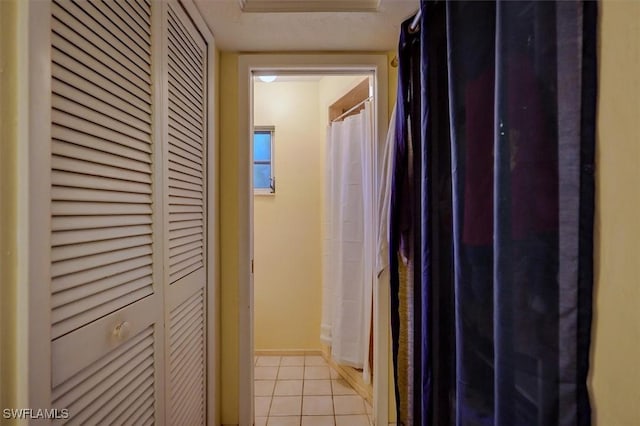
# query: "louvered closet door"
{"points": [[185, 206], [106, 292]]}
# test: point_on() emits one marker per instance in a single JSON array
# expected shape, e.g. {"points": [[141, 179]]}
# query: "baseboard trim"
{"points": [[350, 375]]}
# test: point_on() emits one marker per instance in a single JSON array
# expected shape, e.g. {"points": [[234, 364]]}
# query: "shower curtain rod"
{"points": [[413, 28], [415, 24], [351, 109]]}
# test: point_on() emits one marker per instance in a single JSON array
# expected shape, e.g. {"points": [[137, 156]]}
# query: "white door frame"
{"points": [[318, 64], [212, 337]]}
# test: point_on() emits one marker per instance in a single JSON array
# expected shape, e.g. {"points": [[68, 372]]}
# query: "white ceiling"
{"points": [[235, 30]]}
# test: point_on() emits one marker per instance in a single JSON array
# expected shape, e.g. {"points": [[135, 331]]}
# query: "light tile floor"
{"points": [[305, 391]]}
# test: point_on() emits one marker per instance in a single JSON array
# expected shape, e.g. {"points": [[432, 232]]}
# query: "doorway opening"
{"points": [[287, 345], [313, 232]]}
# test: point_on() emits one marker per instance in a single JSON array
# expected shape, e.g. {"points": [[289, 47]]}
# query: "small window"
{"points": [[263, 178]]}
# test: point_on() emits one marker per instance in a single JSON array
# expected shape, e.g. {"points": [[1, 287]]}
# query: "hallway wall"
{"points": [[12, 388], [287, 237], [229, 237], [616, 345]]}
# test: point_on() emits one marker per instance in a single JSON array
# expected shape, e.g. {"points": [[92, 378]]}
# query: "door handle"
{"points": [[121, 330]]}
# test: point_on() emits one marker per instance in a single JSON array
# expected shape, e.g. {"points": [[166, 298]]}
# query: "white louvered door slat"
{"points": [[106, 377], [186, 361], [185, 207], [107, 305], [77, 164], [128, 213]]}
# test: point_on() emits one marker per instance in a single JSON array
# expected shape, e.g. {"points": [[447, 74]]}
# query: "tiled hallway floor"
{"points": [[304, 390]]}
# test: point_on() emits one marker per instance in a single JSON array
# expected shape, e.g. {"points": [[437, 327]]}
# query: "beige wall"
{"points": [[287, 237], [616, 345], [229, 237], [8, 202], [393, 89]]}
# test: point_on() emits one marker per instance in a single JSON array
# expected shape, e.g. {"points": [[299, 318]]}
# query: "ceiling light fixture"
{"points": [[267, 78]]}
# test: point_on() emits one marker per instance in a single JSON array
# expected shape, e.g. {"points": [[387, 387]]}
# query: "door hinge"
{"points": [[252, 266]]}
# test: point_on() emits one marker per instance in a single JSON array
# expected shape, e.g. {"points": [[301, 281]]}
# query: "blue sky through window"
{"points": [[262, 159], [262, 146], [262, 176]]}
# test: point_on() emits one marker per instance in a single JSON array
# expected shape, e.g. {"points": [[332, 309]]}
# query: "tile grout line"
{"points": [[304, 384], [304, 362], [273, 391]]}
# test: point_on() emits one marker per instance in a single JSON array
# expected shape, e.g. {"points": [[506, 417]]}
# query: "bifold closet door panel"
{"points": [[185, 217], [106, 270], [107, 372]]}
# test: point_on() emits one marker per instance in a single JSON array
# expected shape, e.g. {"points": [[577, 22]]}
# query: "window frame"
{"points": [[272, 185]]}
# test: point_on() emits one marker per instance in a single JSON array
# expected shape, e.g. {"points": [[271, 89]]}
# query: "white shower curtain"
{"points": [[349, 243]]}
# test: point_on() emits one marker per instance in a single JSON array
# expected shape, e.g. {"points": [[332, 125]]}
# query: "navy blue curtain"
{"points": [[499, 224]]}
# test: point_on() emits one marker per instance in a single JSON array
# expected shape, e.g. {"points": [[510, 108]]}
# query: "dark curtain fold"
{"points": [[438, 380], [492, 214], [405, 233]]}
